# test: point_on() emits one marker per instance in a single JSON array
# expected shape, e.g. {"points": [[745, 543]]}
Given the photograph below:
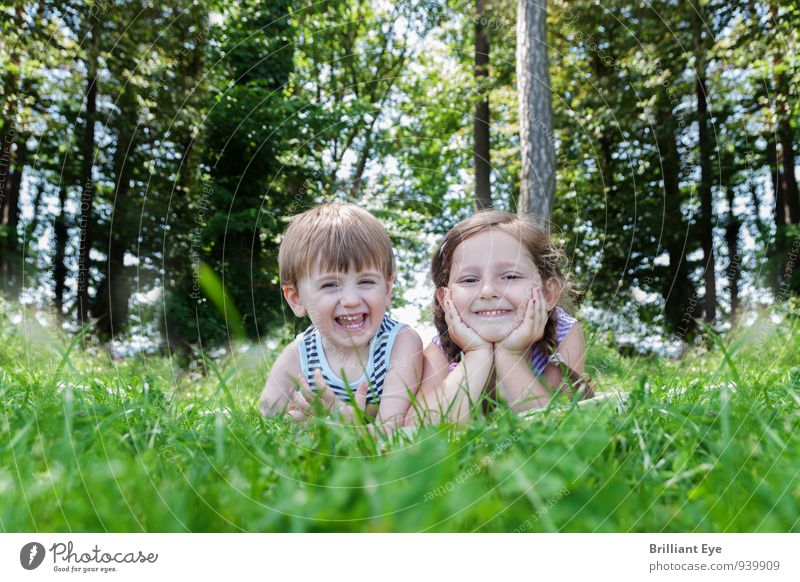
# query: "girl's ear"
{"points": [[440, 296], [292, 296], [552, 292]]}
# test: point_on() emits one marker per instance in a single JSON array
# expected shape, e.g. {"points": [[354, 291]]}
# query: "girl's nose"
{"points": [[488, 289]]}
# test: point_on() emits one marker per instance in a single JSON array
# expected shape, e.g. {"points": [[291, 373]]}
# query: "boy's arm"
{"points": [[403, 378], [280, 386], [518, 384]]}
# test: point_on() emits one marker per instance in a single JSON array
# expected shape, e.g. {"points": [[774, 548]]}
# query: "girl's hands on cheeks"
{"points": [[463, 335], [531, 320]]}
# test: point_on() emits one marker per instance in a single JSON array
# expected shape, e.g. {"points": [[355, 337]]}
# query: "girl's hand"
{"points": [[531, 320], [306, 402], [463, 335]]}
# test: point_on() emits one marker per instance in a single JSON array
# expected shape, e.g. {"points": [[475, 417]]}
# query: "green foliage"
{"points": [[233, 224], [217, 121], [87, 443]]}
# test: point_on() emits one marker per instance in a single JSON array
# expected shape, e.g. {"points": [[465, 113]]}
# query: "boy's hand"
{"points": [[531, 320], [307, 402], [463, 335]]}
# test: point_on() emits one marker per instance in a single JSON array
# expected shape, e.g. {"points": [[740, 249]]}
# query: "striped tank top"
{"points": [[312, 356], [539, 358]]}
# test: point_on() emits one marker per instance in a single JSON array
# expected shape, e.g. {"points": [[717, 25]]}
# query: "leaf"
{"points": [[213, 288]]}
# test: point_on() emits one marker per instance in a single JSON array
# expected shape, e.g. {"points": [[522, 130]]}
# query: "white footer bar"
{"points": [[400, 557]]}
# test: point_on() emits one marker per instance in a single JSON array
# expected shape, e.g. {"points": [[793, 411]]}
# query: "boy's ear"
{"points": [[552, 292], [389, 285], [292, 296]]}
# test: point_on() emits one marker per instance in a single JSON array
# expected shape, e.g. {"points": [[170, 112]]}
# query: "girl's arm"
{"points": [[518, 384], [280, 386], [448, 396], [402, 380]]}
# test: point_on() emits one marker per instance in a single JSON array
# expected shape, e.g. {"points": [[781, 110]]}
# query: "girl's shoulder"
{"points": [[564, 323], [437, 348]]}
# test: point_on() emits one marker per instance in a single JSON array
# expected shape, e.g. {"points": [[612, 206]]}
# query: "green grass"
{"points": [[709, 444]]}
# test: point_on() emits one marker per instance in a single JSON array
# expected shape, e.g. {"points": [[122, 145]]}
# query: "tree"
{"points": [[481, 125], [236, 213], [705, 221], [14, 147], [87, 198], [537, 149]]}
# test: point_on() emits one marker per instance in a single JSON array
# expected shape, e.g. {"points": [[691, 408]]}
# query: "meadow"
{"points": [[707, 443]]}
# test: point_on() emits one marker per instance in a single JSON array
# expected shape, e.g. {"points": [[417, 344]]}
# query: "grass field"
{"points": [[709, 443]]}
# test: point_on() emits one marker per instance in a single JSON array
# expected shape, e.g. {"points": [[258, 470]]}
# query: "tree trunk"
{"points": [[607, 163], [12, 165], [785, 135], [777, 181], [113, 294], [30, 228], [537, 186], [60, 243], [788, 179], [10, 258], [87, 181], [754, 198], [680, 301], [734, 270], [706, 219], [480, 126]]}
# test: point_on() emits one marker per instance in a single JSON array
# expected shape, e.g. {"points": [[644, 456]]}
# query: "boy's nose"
{"points": [[349, 296]]}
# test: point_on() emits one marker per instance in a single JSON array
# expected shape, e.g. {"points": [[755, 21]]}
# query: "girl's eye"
{"points": [[512, 276], [329, 285], [469, 280], [367, 282]]}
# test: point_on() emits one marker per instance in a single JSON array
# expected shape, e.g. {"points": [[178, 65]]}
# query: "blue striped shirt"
{"points": [[312, 356]]}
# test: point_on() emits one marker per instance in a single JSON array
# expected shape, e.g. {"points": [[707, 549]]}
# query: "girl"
{"points": [[498, 283]]}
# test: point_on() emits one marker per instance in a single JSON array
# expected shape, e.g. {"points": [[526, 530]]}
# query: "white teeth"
{"points": [[493, 312], [351, 321]]}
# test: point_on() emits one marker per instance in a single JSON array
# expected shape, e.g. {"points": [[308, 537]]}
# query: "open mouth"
{"points": [[492, 313], [352, 323]]}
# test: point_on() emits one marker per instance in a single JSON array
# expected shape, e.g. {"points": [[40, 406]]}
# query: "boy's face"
{"points": [[346, 307]]}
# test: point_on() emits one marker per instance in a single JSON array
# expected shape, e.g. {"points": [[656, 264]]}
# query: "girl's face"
{"points": [[491, 276]]}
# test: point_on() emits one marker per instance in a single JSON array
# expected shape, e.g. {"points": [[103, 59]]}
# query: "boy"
{"points": [[337, 266]]}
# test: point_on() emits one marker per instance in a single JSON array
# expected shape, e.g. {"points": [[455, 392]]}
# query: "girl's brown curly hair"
{"points": [[547, 257]]}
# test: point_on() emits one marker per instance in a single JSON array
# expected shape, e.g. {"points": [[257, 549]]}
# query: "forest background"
{"points": [[152, 153]]}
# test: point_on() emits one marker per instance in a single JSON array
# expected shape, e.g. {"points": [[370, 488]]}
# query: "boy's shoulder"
{"points": [[289, 358], [407, 340]]}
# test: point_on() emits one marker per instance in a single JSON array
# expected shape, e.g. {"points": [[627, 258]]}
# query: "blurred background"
{"points": [[152, 153]]}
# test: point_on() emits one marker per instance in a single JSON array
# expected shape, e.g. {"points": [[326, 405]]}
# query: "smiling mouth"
{"points": [[352, 322], [490, 313]]}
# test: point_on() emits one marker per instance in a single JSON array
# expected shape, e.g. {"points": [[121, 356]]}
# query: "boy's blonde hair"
{"points": [[337, 237]]}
